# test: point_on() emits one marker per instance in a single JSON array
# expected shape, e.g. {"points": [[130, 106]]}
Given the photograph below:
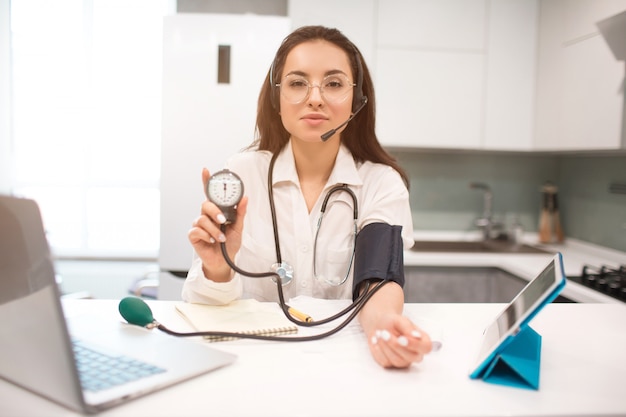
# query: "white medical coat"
{"points": [[381, 195]]}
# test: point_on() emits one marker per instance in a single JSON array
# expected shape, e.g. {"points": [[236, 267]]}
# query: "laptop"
{"points": [[45, 353]]}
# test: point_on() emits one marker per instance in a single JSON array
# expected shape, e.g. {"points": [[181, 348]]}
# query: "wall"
{"points": [[265, 7], [591, 212], [5, 97], [442, 200]]}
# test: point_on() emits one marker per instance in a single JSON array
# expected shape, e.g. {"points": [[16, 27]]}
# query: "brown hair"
{"points": [[359, 136]]}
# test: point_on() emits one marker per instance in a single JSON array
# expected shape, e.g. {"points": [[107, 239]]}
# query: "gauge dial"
{"points": [[225, 190]]}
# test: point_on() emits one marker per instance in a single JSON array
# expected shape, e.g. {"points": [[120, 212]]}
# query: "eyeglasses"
{"points": [[334, 88]]}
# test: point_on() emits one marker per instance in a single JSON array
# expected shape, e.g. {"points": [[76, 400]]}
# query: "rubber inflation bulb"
{"points": [[136, 311]]}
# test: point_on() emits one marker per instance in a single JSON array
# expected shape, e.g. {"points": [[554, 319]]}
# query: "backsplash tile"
{"points": [[442, 200]]}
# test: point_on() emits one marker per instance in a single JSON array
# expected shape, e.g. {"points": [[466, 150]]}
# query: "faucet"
{"points": [[485, 222]]}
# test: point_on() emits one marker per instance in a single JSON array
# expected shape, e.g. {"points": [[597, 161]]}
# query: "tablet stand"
{"points": [[518, 363]]}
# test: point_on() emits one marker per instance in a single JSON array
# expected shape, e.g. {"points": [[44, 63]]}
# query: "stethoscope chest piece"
{"points": [[284, 271]]}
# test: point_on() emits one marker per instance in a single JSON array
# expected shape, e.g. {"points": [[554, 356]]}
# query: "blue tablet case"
{"points": [[517, 361], [517, 365]]}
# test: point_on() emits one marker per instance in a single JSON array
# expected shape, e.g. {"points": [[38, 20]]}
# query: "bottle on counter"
{"points": [[550, 230], [517, 231]]}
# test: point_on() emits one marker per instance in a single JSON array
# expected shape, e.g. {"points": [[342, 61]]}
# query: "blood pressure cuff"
{"points": [[378, 255]]}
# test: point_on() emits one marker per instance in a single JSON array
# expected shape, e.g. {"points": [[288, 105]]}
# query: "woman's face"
{"points": [[318, 63]]}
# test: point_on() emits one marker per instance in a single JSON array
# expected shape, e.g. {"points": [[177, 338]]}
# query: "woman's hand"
{"points": [[205, 236], [397, 342], [394, 340]]}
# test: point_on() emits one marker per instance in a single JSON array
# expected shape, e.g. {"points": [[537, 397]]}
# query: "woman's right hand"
{"points": [[205, 236]]}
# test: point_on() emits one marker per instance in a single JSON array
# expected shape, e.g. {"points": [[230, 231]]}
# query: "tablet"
{"points": [[542, 290]]}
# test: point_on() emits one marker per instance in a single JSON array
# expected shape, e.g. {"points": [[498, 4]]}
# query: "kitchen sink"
{"points": [[475, 246]]}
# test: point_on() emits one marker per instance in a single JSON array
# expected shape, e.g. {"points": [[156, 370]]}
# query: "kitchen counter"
{"points": [[581, 373], [575, 253]]}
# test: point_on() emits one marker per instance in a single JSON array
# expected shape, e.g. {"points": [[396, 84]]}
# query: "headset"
{"points": [[358, 100]]}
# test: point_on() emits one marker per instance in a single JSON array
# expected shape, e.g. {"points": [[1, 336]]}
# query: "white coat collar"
{"points": [[345, 170]]}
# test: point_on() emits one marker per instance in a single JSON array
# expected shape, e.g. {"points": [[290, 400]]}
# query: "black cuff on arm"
{"points": [[378, 255]]}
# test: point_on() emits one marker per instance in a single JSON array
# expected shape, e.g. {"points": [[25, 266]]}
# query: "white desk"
{"points": [[583, 371]]}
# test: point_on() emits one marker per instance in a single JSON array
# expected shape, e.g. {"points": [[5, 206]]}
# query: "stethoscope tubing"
{"points": [[357, 304], [365, 296], [334, 189], [354, 308]]}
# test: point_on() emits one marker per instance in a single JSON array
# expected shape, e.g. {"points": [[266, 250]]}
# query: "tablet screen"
{"points": [[541, 290]]}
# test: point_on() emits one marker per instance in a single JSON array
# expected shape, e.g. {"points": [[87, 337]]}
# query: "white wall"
{"points": [[5, 96]]}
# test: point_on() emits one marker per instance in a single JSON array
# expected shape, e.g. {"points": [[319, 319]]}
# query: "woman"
{"points": [[317, 82]]}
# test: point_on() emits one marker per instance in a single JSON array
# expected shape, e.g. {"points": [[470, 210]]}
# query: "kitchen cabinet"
{"points": [[446, 284], [429, 98], [448, 73], [354, 18], [425, 284], [430, 73], [516, 75], [456, 74], [580, 97], [510, 77]]}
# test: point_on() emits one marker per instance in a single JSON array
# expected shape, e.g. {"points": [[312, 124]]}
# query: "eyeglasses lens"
{"points": [[333, 88]]}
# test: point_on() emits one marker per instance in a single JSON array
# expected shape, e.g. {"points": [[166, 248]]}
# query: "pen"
{"points": [[436, 345], [299, 315]]}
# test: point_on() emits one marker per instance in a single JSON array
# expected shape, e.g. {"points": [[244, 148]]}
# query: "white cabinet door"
{"points": [[354, 18], [579, 95], [430, 99], [457, 74], [454, 25], [511, 67], [430, 70]]}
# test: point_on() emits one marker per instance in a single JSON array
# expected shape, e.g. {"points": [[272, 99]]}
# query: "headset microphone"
{"points": [[331, 132]]}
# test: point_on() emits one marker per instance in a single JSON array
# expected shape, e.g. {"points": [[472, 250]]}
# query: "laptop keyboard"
{"points": [[99, 371]]}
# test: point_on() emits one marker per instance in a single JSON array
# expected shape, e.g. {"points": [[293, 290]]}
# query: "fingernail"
{"points": [[221, 219], [385, 335], [436, 346], [221, 237], [211, 239], [403, 341], [374, 340], [416, 334]]}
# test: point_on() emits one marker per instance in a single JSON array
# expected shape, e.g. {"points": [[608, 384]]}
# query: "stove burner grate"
{"points": [[608, 280]]}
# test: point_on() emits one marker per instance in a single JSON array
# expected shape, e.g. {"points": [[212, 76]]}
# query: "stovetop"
{"points": [[607, 280]]}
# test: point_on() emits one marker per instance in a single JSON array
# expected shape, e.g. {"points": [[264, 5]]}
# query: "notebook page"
{"points": [[240, 316]]}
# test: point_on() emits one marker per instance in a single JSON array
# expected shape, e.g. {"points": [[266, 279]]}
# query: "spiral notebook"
{"points": [[247, 316]]}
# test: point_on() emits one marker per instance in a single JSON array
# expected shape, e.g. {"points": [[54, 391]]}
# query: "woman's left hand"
{"points": [[396, 342]]}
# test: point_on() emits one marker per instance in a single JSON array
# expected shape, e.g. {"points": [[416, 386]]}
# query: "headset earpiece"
{"points": [[273, 89], [359, 99]]}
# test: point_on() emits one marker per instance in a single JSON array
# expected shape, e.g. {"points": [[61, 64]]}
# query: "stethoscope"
{"points": [[284, 269], [225, 189]]}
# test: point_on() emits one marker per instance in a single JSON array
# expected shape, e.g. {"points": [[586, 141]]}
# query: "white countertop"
{"points": [[581, 373], [575, 253]]}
